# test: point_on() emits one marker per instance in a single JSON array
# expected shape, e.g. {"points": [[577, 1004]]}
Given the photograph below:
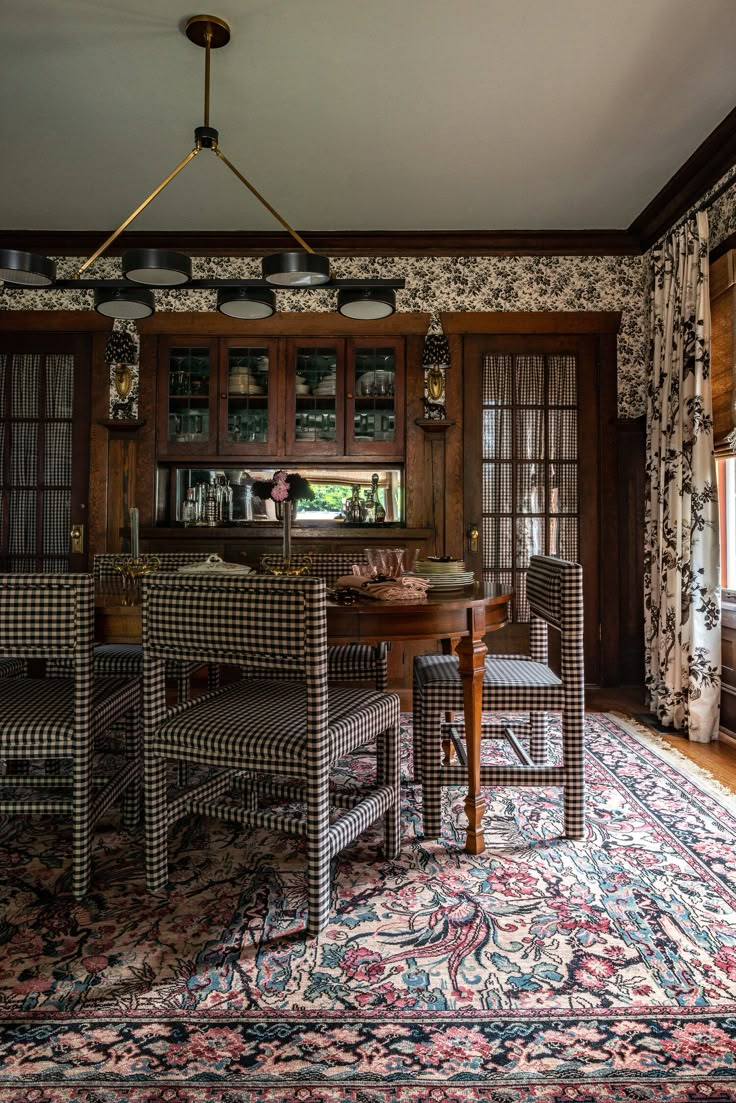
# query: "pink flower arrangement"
{"points": [[283, 487]]}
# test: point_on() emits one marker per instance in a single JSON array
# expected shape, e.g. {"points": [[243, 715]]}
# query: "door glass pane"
{"points": [[530, 501], [374, 389], [315, 410], [36, 462], [248, 383], [497, 435], [188, 399], [497, 487]]}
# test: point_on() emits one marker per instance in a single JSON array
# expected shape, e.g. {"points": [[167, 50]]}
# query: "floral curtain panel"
{"points": [[681, 557]]}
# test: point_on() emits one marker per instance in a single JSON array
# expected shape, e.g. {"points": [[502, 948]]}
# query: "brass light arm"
{"points": [[297, 237], [182, 164]]}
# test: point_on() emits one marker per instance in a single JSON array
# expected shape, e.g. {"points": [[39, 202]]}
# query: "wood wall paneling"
{"points": [[723, 345]]}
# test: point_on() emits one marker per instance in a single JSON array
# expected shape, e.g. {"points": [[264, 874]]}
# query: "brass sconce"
{"points": [[435, 357], [120, 354], [123, 378]]}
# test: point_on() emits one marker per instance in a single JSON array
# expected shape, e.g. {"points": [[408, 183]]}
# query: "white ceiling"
{"points": [[358, 114]]}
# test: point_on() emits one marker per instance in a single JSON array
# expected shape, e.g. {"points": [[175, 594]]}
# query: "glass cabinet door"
{"points": [[314, 397], [375, 397], [247, 397], [188, 389]]}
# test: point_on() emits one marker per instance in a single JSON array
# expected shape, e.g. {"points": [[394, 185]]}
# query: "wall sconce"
{"points": [[435, 358], [120, 354], [123, 378]]}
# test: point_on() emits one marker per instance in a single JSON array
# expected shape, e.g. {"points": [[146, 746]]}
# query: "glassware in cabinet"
{"points": [[187, 392], [247, 406], [375, 397], [314, 395]]}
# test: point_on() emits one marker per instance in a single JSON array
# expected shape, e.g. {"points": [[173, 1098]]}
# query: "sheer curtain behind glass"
{"points": [[36, 400], [682, 556], [530, 504]]}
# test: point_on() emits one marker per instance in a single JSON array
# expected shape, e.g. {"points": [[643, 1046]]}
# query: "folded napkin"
{"points": [[401, 589]]}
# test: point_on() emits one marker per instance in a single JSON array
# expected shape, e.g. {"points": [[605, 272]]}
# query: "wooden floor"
{"points": [[719, 759]]}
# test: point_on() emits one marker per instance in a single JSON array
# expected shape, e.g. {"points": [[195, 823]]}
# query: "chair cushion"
{"points": [[354, 660], [37, 714], [262, 724], [12, 668], [508, 683]]}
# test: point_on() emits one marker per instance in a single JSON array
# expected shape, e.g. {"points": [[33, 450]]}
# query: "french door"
{"points": [[533, 469], [44, 451]]}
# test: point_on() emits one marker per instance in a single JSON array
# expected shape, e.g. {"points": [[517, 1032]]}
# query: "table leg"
{"points": [[471, 653]]}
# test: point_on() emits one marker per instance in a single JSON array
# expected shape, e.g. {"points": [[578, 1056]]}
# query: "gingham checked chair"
{"points": [[296, 730], [51, 616], [126, 659], [13, 668], [349, 662], [514, 684]]}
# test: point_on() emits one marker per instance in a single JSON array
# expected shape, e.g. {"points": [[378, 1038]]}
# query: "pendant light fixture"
{"points": [[26, 269], [246, 302], [131, 297], [366, 303]]}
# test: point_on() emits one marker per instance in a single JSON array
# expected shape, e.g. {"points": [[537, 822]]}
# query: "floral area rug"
{"points": [[542, 971]]}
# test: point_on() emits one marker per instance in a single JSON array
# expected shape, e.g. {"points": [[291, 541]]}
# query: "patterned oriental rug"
{"points": [[539, 972]]}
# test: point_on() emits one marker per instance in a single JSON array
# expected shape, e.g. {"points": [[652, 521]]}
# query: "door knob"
{"points": [[473, 535], [76, 538]]}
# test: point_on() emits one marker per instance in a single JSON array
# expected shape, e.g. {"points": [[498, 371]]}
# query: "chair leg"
{"points": [[318, 859], [573, 726], [133, 796], [392, 777], [416, 739], [431, 771], [157, 827], [82, 823], [538, 743]]}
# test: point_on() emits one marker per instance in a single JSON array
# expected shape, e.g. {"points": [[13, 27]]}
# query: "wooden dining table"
{"points": [[462, 618]]}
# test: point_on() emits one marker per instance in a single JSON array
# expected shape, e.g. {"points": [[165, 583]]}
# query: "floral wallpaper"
{"points": [[435, 284], [432, 284]]}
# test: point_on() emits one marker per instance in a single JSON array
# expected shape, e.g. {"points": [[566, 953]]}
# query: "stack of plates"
{"points": [[448, 575], [326, 385]]}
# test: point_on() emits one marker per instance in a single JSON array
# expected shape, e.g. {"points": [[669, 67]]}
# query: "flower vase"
{"points": [[286, 512]]}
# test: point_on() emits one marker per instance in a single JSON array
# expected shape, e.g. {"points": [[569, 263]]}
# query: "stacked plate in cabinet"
{"points": [[447, 574]]}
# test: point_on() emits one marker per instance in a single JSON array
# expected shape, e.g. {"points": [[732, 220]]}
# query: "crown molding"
{"points": [[336, 243], [710, 161]]}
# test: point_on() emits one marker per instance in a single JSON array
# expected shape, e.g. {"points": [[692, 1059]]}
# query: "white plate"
{"points": [[252, 389]]}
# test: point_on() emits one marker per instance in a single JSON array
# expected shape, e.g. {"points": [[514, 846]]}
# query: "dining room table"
{"points": [[458, 620]]}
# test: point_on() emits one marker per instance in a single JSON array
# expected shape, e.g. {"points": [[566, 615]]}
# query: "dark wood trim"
{"points": [[433, 425], [121, 425], [710, 161], [471, 322], [297, 324], [338, 243], [98, 449], [58, 321], [609, 555]]}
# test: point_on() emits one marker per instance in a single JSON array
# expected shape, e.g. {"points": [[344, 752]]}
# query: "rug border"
{"points": [[690, 770]]}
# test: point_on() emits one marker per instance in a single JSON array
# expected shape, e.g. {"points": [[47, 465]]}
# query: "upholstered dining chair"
{"points": [[514, 684], [51, 616], [126, 659], [277, 738], [349, 662], [13, 668]]}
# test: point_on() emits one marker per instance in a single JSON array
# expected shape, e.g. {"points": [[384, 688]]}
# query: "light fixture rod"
{"points": [[208, 45], [264, 201], [182, 164]]}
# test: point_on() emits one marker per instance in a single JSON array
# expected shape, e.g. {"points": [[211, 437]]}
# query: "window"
{"points": [[726, 475]]}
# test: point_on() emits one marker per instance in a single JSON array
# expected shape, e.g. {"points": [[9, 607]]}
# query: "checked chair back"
{"points": [[267, 736], [51, 617], [354, 662], [127, 659], [516, 684]]}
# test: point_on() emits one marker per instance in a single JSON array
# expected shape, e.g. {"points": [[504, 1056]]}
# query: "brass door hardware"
{"points": [[473, 535], [76, 546]]}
